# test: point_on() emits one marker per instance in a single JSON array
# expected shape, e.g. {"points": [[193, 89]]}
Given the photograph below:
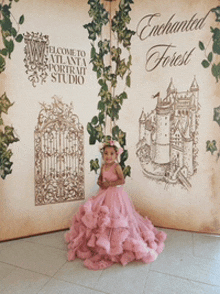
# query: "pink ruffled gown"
{"points": [[108, 230]]}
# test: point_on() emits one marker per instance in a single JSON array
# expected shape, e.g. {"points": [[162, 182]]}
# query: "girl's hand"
{"points": [[105, 184], [99, 182]]}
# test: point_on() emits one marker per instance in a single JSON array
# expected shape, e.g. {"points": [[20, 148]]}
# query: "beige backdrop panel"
{"points": [[169, 206], [195, 209], [63, 22]]}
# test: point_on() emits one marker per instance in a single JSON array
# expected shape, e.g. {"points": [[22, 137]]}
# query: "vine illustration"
{"points": [[212, 145], [108, 76], [211, 61], [212, 55], [9, 35], [9, 32]]}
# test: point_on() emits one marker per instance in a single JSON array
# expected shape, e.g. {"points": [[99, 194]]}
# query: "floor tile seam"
{"points": [[19, 267], [189, 280], [78, 284], [96, 283], [84, 286], [60, 268], [47, 282], [36, 243], [147, 277], [14, 269]]}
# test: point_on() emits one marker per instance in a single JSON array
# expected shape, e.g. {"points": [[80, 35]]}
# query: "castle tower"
{"points": [[188, 150], [194, 88], [193, 119], [171, 89], [142, 121], [162, 136]]}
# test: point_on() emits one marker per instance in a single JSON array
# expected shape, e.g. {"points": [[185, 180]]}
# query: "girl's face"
{"points": [[109, 155]]}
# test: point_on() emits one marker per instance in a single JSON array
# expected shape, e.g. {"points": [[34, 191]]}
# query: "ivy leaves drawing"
{"points": [[211, 146], [10, 35], [210, 57], [110, 102], [210, 61], [7, 137]]}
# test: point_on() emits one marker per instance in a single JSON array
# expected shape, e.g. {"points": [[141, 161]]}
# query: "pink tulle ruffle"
{"points": [[101, 238]]}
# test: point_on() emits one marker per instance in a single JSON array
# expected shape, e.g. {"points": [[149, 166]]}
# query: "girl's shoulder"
{"points": [[117, 167]]}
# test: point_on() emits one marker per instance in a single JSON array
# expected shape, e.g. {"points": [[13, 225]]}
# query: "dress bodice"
{"points": [[109, 174]]}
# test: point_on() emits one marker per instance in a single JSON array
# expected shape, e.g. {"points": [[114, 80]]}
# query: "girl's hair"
{"points": [[115, 148], [118, 149]]}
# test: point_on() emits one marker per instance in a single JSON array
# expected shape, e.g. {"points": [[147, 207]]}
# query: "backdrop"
{"points": [[171, 116]]}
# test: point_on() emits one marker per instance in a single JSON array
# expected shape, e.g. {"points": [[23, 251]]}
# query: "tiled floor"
{"points": [[190, 264]]}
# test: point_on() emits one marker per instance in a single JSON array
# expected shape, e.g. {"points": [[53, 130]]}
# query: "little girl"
{"points": [[107, 229]]}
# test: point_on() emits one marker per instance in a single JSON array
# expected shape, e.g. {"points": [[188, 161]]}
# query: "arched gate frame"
{"points": [[59, 155]]}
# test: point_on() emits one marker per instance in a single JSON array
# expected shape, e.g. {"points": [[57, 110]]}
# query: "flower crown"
{"points": [[112, 143]]}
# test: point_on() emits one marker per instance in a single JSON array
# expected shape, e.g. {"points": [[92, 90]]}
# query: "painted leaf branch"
{"points": [[211, 61], [9, 35], [212, 145], [7, 137], [210, 57], [108, 76]]}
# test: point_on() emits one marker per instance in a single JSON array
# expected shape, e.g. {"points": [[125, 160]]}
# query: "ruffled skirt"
{"points": [[107, 229]]}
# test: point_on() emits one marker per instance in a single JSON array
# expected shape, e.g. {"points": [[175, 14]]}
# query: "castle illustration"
{"points": [[168, 136]]}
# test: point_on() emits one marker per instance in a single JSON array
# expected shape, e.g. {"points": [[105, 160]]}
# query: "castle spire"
{"points": [[171, 88], [194, 85], [143, 116]]}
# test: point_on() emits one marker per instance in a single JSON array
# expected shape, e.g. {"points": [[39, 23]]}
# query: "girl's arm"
{"points": [[119, 181], [99, 182]]}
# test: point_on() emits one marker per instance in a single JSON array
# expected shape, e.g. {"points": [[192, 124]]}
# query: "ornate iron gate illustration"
{"points": [[59, 155]]}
